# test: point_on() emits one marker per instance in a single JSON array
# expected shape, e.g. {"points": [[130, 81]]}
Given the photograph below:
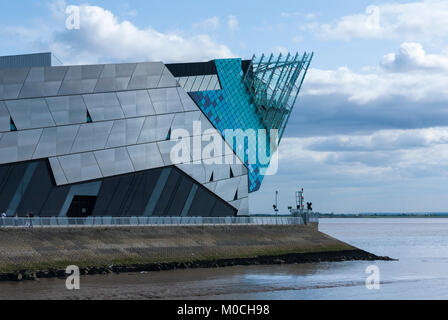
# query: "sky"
{"points": [[369, 130]]}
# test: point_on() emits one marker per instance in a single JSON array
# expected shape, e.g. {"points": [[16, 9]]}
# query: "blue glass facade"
{"points": [[232, 108]]}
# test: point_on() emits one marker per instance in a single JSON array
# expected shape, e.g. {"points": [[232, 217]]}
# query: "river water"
{"points": [[420, 244]]}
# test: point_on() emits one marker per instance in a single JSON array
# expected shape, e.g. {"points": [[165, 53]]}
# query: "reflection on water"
{"points": [[421, 273]]}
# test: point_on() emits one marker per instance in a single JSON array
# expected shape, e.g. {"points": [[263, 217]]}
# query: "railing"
{"points": [[9, 222]]}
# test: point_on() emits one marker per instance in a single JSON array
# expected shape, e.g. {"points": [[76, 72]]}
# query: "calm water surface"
{"points": [[421, 245]]}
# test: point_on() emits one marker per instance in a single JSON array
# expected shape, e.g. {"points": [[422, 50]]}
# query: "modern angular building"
{"points": [[97, 140]]}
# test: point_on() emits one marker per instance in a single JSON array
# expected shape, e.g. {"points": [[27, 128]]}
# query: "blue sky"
{"points": [[369, 132]]}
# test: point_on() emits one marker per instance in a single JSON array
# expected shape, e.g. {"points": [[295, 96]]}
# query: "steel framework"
{"points": [[274, 84]]}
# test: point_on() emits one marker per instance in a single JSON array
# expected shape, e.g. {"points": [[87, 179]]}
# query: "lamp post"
{"points": [[275, 206]]}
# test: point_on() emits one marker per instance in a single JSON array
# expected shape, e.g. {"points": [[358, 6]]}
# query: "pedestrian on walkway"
{"points": [[31, 216], [3, 219], [16, 219]]}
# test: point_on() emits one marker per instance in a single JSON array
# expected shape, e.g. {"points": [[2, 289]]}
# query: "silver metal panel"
{"points": [[77, 86], [239, 169], [40, 89], [54, 74], [10, 91], [206, 82], [92, 136], [11, 82], [122, 70], [243, 187], [189, 83], [167, 79], [221, 172], [244, 207], [196, 170], [226, 189], [185, 120], [197, 83], [166, 100], [136, 103], [156, 128], [149, 68], [125, 132], [103, 106], [206, 124], [30, 113], [81, 79], [209, 168], [236, 204], [91, 71], [56, 141], [42, 81], [211, 186], [80, 167], [145, 156], [182, 81], [58, 173], [114, 161], [67, 109], [115, 77], [146, 75], [112, 84], [4, 118], [187, 168], [213, 148], [168, 147], [83, 72], [18, 145], [186, 100], [214, 84], [36, 74]]}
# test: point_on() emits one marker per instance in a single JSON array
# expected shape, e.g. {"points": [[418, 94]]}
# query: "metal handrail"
{"points": [[19, 222]]}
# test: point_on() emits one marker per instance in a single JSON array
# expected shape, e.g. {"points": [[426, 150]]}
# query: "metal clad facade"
{"points": [[26, 60]]}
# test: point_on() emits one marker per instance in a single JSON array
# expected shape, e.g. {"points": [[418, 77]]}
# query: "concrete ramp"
{"points": [[48, 248]]}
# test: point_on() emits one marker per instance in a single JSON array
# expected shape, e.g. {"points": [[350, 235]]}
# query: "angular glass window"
{"points": [[12, 125]]}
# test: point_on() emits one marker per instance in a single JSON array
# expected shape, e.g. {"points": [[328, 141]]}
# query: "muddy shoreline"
{"points": [[294, 258]]}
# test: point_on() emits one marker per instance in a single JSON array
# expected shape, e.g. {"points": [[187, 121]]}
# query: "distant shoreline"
{"points": [[360, 216], [407, 216]]}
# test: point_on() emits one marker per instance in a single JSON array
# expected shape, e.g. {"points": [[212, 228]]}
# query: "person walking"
{"points": [[31, 216], [3, 219], [16, 219]]}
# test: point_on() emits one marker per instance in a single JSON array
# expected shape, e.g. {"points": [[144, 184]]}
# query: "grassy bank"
{"points": [[28, 251]]}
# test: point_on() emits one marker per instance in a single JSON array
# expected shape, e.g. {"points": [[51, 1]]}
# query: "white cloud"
{"points": [[233, 23], [412, 83], [103, 37], [423, 21], [382, 140], [210, 23], [297, 39], [412, 56], [280, 49], [309, 16], [408, 154]]}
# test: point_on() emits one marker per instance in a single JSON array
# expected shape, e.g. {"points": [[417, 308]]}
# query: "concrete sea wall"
{"points": [[56, 248]]}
